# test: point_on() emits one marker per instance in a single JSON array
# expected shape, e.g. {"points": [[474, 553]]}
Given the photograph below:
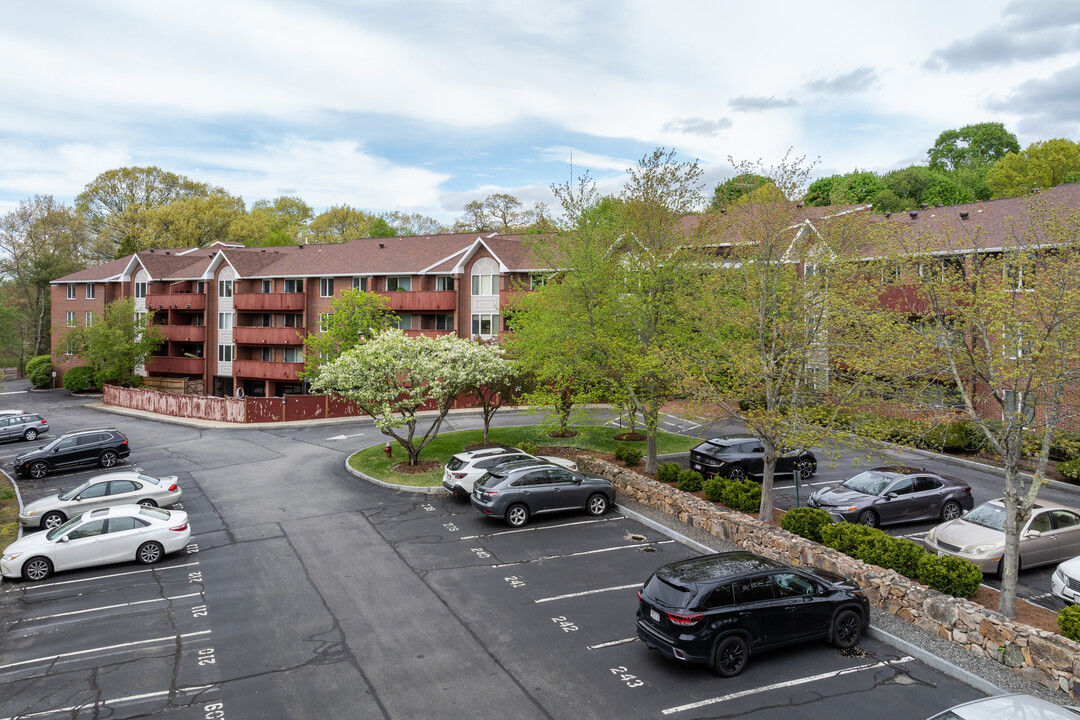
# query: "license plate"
{"points": [[941, 553], [696, 466], [654, 615]]}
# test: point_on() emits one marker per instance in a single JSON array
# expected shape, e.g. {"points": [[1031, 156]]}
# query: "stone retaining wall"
{"points": [[1045, 657]]}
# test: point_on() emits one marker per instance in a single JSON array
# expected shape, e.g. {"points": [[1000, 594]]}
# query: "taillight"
{"points": [[125, 442], [179, 528], [967, 490], [42, 421], [458, 476], [172, 488], [639, 598], [684, 620]]}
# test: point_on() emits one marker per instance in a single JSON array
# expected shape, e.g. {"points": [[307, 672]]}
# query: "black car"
{"points": [[739, 456], [718, 609], [894, 494], [518, 490], [100, 446]]}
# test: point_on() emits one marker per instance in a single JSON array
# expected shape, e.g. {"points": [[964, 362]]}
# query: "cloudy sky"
{"points": [[424, 106]]}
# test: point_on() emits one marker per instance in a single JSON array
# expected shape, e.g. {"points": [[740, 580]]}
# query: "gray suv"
{"points": [[100, 446], [518, 490], [22, 426]]}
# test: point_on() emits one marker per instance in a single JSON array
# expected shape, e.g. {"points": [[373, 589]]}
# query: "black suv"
{"points": [[738, 456], [101, 446], [518, 490], [718, 609]]}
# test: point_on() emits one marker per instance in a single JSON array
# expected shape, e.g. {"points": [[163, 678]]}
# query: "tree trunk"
{"points": [[765, 510], [1007, 597], [651, 461]]}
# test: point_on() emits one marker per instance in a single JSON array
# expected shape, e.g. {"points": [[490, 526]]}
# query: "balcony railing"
{"points": [[175, 301], [268, 301], [183, 333], [425, 300], [177, 365], [269, 335], [266, 370]]}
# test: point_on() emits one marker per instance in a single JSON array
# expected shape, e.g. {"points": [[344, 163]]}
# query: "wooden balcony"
{"points": [[269, 335], [422, 301], [176, 365], [267, 370], [183, 333], [269, 301], [175, 301], [427, 333]]}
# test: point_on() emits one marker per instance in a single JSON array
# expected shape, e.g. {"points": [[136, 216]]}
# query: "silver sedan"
{"points": [[119, 488]]}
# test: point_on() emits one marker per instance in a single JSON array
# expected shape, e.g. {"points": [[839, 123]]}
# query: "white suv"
{"points": [[465, 468]]}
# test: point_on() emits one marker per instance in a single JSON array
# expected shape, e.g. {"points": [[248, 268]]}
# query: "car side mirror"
{"points": [[1034, 533], [890, 496], [63, 539]]}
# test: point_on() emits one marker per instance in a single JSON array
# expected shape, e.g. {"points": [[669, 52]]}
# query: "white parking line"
{"points": [[801, 485], [108, 607], [14, 392], [98, 577], [106, 648], [612, 643], [787, 684], [116, 701], [586, 552], [543, 527], [587, 592]]}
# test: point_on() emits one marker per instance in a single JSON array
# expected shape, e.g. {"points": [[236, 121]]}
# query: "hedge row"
{"points": [[39, 370], [1069, 622]]}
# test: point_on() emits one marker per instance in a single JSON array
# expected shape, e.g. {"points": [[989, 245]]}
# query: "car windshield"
{"points": [[58, 531], [153, 512], [988, 516], [868, 482], [72, 493]]}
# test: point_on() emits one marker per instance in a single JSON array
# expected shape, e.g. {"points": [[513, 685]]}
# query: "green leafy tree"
{"points": [[502, 213], [972, 145], [414, 224], [353, 317], [489, 377], [946, 190], [196, 221], [381, 228], [1041, 165], [734, 188], [339, 224], [116, 342], [819, 194], [285, 218], [856, 188], [392, 377]]}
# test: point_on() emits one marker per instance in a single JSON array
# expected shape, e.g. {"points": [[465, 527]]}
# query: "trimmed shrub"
{"points": [[905, 556], [803, 521], [690, 480], [960, 436], [79, 378], [629, 455], [714, 488], [743, 496], [950, 575], [845, 537], [1069, 622], [668, 472], [1070, 469], [527, 447], [39, 370]]}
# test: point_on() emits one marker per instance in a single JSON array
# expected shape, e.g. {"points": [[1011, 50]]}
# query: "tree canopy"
{"points": [[114, 344], [972, 145], [1041, 165], [353, 317]]}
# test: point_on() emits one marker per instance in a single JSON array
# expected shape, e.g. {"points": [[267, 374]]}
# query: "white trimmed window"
{"points": [[200, 287], [89, 291], [70, 291], [268, 286], [225, 353], [225, 321], [444, 282], [326, 287], [294, 355], [266, 354], [537, 280], [484, 283], [485, 324], [71, 318], [360, 283], [224, 288], [398, 283], [293, 285], [140, 289], [324, 320], [89, 318], [404, 322], [293, 320], [444, 322]]}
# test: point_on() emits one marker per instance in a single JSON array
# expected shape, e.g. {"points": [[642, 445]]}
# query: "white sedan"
{"points": [[110, 535], [465, 468], [118, 488], [1066, 581]]}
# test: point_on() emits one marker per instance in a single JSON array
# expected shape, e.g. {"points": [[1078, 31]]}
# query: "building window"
{"points": [[485, 324], [200, 288], [326, 287], [140, 289], [1019, 275], [444, 322], [398, 283], [71, 318], [268, 286], [537, 280], [294, 355], [293, 320], [266, 320], [224, 288], [444, 282], [360, 283], [89, 291], [138, 317], [294, 286], [404, 322], [225, 321], [70, 292], [485, 284], [266, 354], [324, 320], [89, 318], [198, 319], [224, 353], [1015, 403]]}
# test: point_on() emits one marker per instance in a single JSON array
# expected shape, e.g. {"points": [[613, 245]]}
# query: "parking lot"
{"points": [[308, 593]]}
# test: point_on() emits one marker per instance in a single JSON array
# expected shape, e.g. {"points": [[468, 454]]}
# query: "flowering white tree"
{"points": [[392, 378], [490, 377]]}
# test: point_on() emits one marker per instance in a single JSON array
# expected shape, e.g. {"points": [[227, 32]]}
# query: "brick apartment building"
{"points": [[235, 317]]}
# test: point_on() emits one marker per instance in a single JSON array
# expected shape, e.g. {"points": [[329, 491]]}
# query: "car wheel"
{"points": [[147, 502], [868, 518], [38, 469], [52, 520], [951, 510], [517, 515], [597, 504], [806, 469], [108, 458], [37, 569], [847, 629], [731, 656], [736, 473], [149, 553], [30, 434]]}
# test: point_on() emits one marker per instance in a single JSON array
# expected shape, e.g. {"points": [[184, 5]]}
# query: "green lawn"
{"points": [[9, 513], [373, 461]]}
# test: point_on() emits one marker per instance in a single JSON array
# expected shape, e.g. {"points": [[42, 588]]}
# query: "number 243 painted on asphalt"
{"points": [[630, 680]]}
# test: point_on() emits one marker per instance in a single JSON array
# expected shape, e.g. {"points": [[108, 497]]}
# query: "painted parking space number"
{"points": [[625, 676], [481, 553], [214, 711], [451, 527], [564, 624], [515, 581]]}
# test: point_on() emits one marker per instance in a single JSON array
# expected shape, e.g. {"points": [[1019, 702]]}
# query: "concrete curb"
{"points": [[928, 658], [434, 490]]}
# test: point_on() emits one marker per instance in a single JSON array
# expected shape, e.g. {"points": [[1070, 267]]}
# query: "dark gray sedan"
{"points": [[516, 491], [894, 494]]}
